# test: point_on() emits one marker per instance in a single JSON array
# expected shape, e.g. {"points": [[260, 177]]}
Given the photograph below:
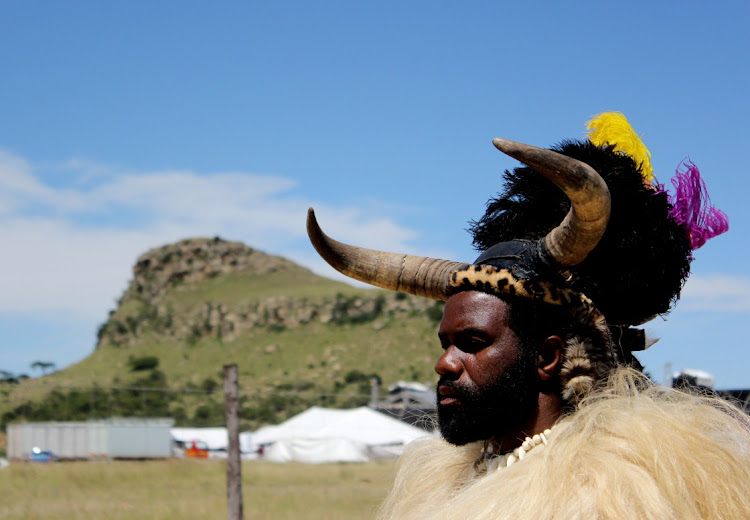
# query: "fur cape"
{"points": [[631, 450]]}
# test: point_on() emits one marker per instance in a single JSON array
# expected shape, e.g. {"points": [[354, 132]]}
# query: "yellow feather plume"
{"points": [[613, 128]]}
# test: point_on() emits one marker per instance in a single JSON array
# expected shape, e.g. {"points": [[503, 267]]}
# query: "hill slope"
{"points": [[193, 306]]}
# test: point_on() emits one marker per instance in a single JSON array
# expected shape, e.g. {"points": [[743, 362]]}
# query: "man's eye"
{"points": [[471, 345]]}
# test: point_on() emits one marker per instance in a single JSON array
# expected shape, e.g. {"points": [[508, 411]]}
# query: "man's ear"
{"points": [[550, 358]]}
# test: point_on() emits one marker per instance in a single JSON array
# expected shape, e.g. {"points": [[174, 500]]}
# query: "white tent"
{"points": [[215, 438], [317, 451], [327, 435]]}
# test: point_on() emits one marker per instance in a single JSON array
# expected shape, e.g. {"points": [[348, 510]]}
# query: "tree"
{"points": [[8, 377], [43, 366]]}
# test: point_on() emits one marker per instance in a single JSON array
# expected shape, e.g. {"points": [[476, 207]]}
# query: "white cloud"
{"points": [[171, 192], [17, 184], [717, 292], [72, 249], [52, 265]]}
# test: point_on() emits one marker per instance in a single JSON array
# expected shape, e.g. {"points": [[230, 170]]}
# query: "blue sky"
{"points": [[128, 125]]}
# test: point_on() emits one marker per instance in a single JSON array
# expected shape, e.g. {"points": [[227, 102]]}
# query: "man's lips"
{"points": [[448, 395]]}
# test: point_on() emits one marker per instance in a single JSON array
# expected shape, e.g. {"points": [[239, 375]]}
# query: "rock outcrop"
{"points": [[195, 260], [161, 272]]}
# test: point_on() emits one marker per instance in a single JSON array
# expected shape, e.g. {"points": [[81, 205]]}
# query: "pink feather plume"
{"points": [[692, 207]]}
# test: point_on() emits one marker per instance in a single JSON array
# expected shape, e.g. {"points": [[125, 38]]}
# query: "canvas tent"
{"points": [[325, 435], [215, 438]]}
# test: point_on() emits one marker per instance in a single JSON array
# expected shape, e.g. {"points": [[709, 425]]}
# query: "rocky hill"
{"points": [[195, 305], [161, 275]]}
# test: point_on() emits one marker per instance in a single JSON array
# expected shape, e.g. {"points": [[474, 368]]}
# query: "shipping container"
{"points": [[124, 438], [139, 438]]}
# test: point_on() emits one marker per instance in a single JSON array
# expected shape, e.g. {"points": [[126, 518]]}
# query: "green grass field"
{"points": [[191, 489]]}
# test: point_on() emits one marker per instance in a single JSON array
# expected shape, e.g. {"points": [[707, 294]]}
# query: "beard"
{"points": [[494, 410]]}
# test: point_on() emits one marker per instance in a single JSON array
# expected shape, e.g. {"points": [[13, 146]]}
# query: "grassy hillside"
{"points": [[297, 338]]}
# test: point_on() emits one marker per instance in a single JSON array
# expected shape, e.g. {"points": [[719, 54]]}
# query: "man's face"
{"points": [[488, 383]]}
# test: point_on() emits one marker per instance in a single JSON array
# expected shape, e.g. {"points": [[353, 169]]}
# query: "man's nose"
{"points": [[449, 363]]}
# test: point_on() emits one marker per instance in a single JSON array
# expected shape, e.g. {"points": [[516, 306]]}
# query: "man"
{"points": [[491, 386], [542, 407]]}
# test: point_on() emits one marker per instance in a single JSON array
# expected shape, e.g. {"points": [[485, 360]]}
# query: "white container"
{"points": [[110, 438]]}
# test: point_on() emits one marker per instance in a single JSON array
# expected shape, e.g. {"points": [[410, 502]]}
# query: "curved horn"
{"points": [[585, 223], [417, 275]]}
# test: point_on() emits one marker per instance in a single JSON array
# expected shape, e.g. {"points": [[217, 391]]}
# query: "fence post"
{"points": [[234, 462]]}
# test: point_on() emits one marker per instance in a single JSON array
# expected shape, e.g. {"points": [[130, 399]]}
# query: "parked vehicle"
{"points": [[196, 449], [39, 455]]}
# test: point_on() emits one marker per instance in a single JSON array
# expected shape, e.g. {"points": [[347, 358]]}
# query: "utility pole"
{"points": [[374, 393], [668, 374], [234, 462]]}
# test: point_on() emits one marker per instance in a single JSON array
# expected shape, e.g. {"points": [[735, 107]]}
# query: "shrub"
{"points": [[209, 385], [208, 415], [435, 311], [143, 363]]}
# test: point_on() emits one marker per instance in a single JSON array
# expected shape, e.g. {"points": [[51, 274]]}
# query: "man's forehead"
{"points": [[473, 309]]}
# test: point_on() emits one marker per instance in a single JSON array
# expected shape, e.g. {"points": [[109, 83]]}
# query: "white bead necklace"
{"points": [[489, 461]]}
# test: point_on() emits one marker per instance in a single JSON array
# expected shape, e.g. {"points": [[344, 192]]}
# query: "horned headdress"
{"points": [[584, 227]]}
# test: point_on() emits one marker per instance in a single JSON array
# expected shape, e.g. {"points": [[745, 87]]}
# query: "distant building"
{"points": [[704, 381], [692, 378], [412, 403], [739, 397]]}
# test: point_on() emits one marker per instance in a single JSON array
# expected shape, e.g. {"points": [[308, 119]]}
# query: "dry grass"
{"points": [[191, 489]]}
